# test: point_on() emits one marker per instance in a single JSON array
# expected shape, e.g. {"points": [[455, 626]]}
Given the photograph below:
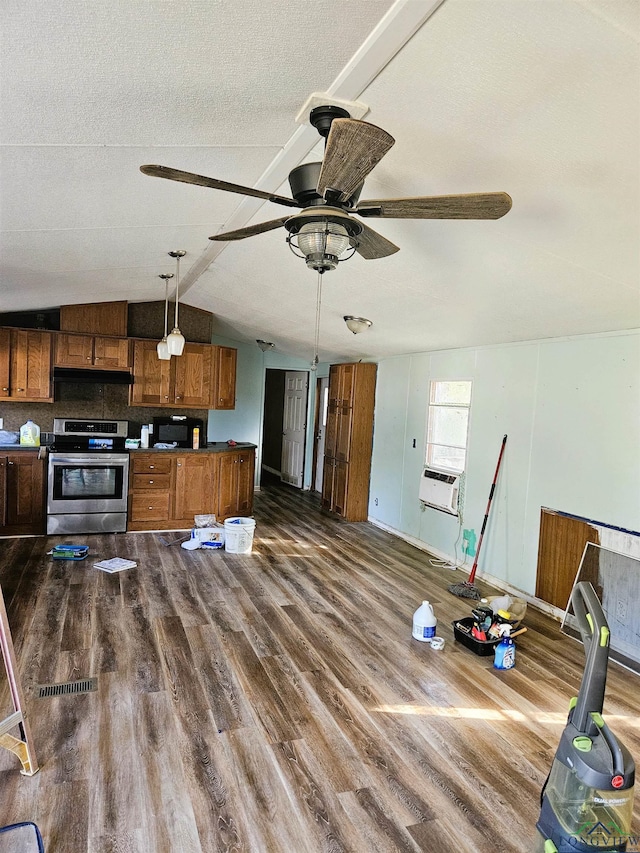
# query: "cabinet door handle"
{"points": [[151, 482], [5, 389], [11, 463], [150, 507], [151, 466], [20, 389], [88, 358]]}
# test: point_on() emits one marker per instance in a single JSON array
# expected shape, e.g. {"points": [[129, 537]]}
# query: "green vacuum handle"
{"points": [[595, 636]]}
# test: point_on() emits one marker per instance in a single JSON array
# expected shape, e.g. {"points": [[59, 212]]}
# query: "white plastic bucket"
{"points": [[238, 535]]}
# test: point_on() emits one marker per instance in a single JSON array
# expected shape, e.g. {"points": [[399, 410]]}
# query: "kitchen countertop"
{"points": [[212, 447]]}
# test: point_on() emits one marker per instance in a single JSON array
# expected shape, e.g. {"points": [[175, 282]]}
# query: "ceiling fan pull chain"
{"points": [[314, 363]]}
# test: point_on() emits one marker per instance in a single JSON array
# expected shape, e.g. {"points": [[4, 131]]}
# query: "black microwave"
{"points": [[178, 429]]}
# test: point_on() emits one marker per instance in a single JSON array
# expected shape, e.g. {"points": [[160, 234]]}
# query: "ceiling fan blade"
{"points": [[353, 148], [250, 230], [214, 183], [469, 206], [372, 245]]}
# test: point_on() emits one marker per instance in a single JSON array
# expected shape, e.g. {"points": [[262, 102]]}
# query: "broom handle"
{"points": [[472, 576]]}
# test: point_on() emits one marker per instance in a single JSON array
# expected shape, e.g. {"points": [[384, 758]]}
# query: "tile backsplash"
{"points": [[88, 401]]}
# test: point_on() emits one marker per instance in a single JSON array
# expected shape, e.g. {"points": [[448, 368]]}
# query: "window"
{"points": [[448, 424]]}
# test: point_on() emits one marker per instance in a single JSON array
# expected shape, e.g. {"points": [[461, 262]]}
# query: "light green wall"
{"points": [[571, 410], [244, 423]]}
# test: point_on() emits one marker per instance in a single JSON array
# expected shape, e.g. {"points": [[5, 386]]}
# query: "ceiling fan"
{"points": [[328, 194]]}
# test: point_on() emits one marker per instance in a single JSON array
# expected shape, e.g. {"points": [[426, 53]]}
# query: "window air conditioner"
{"points": [[440, 490]]}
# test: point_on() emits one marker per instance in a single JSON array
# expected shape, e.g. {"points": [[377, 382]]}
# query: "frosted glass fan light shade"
{"points": [[175, 342], [323, 238], [357, 324], [163, 350]]}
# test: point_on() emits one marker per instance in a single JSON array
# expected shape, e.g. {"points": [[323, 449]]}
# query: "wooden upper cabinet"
{"points": [[25, 365], [224, 384], [186, 381], [111, 353], [95, 318], [5, 362], [151, 376], [193, 376], [89, 351]]}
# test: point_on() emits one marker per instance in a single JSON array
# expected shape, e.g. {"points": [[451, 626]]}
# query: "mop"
{"points": [[467, 589]]}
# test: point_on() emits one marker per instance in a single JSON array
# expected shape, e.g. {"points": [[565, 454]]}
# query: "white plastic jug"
{"points": [[424, 623], [30, 434]]}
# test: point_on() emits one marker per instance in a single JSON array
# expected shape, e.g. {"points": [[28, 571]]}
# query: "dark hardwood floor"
{"points": [[276, 701]]}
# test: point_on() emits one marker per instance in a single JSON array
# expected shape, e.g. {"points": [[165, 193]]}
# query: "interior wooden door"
{"points": [[561, 545]]}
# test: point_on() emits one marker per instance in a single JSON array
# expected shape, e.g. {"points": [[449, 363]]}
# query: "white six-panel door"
{"points": [[294, 427]]}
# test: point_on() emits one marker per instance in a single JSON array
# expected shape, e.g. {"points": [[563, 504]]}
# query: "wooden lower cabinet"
{"points": [[167, 490], [22, 494], [235, 484]]}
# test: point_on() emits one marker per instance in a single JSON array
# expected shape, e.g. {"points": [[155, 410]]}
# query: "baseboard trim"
{"points": [[544, 606]]}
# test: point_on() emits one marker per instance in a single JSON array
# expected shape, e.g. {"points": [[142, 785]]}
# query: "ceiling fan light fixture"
{"points": [[321, 242], [265, 346], [175, 341], [357, 324]]}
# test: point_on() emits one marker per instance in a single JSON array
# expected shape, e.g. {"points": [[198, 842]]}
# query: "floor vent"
{"points": [[68, 688]]}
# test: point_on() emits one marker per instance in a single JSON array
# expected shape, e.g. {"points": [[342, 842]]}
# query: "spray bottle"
{"points": [[505, 653]]}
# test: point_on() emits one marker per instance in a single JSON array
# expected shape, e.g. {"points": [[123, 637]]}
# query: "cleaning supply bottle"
{"points": [[424, 623], [505, 653], [30, 434], [144, 435], [196, 438]]}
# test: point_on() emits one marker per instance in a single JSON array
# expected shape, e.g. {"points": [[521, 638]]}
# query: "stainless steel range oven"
{"points": [[88, 477]]}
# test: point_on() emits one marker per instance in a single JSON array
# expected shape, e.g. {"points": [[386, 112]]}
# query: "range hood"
{"points": [[95, 377]]}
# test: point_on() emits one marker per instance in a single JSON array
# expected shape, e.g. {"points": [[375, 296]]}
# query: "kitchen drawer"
{"points": [[151, 480], [149, 507], [151, 463]]}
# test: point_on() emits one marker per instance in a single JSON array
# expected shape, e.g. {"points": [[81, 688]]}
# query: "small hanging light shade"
{"points": [[175, 341], [163, 346], [357, 324]]}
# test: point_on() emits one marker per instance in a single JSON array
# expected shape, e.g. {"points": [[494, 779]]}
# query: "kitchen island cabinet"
{"points": [[168, 488], [22, 493]]}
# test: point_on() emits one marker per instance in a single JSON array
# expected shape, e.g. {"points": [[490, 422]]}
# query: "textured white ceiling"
{"points": [[539, 98]]}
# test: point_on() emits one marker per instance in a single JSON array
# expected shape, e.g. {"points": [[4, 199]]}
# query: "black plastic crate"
{"points": [[479, 647]]}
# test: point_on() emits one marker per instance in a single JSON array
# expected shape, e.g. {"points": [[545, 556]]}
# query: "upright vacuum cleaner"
{"points": [[587, 800]]}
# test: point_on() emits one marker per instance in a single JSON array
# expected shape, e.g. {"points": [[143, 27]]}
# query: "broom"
{"points": [[466, 589]]}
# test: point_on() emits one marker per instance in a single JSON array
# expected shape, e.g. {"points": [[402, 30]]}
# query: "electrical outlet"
{"points": [[621, 610], [376, 501]]}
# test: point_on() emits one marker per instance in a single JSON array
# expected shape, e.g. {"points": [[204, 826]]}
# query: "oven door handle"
{"points": [[83, 461]]}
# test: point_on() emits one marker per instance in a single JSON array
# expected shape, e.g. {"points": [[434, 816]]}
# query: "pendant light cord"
{"points": [[316, 343], [166, 308], [177, 288]]}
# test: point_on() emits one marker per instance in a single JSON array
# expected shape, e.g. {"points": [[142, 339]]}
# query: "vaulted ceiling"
{"points": [[537, 98]]}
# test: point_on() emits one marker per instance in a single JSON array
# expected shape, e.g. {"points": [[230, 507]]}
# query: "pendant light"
{"points": [[175, 340], [163, 346]]}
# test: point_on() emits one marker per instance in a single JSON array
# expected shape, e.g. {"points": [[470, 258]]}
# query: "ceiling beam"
{"points": [[399, 24]]}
